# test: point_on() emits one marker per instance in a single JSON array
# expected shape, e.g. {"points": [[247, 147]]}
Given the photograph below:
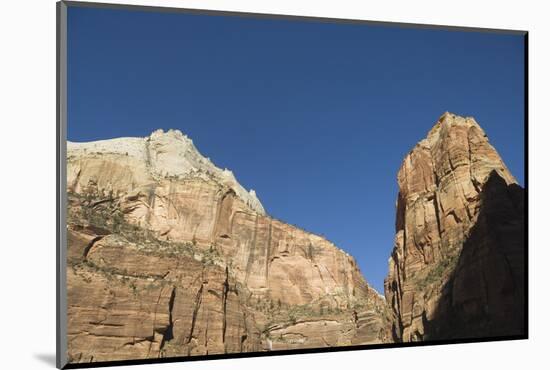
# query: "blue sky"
{"points": [[315, 116]]}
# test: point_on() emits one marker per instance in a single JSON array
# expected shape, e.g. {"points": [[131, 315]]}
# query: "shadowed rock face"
{"points": [[170, 256], [456, 270]]}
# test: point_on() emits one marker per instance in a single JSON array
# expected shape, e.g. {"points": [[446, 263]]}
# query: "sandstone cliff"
{"points": [[171, 256], [456, 270], [168, 255]]}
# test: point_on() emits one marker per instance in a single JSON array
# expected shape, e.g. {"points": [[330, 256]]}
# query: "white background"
{"points": [[27, 152]]}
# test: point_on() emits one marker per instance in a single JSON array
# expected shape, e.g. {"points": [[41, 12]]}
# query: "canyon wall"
{"points": [[457, 266], [170, 256]]}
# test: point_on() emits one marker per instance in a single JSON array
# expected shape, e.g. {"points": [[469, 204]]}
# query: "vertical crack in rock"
{"points": [[206, 332], [197, 305], [268, 253], [320, 274], [244, 336], [225, 292], [405, 240], [252, 252], [169, 333], [243, 339], [345, 281], [437, 217], [473, 179]]}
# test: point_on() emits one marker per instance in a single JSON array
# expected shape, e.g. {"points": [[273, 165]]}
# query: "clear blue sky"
{"points": [[316, 117]]}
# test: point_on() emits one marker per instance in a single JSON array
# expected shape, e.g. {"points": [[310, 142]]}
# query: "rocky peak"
{"points": [[443, 182], [168, 154]]}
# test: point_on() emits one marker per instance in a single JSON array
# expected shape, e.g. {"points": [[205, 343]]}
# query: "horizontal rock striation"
{"points": [[170, 256], [456, 270]]}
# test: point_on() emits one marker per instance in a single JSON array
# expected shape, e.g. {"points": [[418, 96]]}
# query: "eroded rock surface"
{"points": [[169, 256], [456, 270]]}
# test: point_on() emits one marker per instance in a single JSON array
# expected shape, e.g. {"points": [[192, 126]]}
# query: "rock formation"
{"points": [[456, 270], [169, 255]]}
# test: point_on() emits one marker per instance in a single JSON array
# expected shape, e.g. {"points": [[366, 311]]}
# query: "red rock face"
{"points": [[128, 300], [456, 270], [170, 262], [182, 265]]}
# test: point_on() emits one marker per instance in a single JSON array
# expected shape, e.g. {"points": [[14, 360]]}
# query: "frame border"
{"points": [[198, 11], [61, 186], [61, 193]]}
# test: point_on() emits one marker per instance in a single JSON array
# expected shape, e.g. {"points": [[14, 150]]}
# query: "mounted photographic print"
{"points": [[234, 184]]}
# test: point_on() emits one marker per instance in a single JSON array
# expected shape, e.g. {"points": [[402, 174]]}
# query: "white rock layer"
{"points": [[168, 154]]}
